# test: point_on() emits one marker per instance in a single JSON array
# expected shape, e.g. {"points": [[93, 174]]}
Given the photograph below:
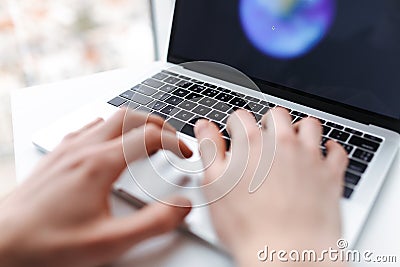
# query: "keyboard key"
{"points": [[258, 117], [254, 99], [141, 99], [210, 92], [222, 107], [172, 80], [145, 90], [194, 97], [118, 101], [157, 105], [364, 143], [161, 96], [212, 86], [197, 88], [357, 166], [363, 155], [184, 77], [160, 76], [339, 135], [326, 129], [201, 110], [187, 105], [299, 114], [184, 115], [347, 147], [177, 124], [352, 131], [174, 100], [169, 73], [238, 94], [216, 115], [209, 102], [347, 192], [131, 105], [188, 129], [264, 110], [224, 97], [334, 125], [170, 110], [168, 88], [143, 109], [239, 102], [351, 178], [181, 92], [254, 107], [225, 90], [128, 94], [184, 84], [196, 81], [373, 138], [153, 83]]}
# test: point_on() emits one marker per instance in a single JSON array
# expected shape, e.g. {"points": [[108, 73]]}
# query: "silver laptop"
{"points": [[328, 59]]}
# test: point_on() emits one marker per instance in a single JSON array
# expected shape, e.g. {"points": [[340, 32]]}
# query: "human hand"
{"points": [[297, 206], [61, 215]]}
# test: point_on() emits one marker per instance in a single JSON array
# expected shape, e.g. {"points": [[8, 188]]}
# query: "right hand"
{"points": [[297, 206]]}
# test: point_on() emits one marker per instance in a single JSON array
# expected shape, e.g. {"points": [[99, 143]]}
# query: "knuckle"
{"points": [[285, 137]]}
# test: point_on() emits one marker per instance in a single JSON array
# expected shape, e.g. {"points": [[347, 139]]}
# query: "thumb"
{"points": [[152, 220], [211, 144]]}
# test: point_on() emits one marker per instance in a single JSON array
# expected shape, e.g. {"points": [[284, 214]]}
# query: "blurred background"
{"points": [[43, 41]]}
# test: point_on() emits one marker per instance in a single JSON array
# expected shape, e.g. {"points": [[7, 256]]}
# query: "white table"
{"points": [[36, 107]]}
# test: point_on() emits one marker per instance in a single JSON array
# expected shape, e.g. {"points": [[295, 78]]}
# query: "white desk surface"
{"points": [[36, 107]]}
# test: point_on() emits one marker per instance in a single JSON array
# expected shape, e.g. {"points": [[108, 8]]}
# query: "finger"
{"points": [[278, 120], [150, 221], [85, 128], [309, 131], [123, 121], [211, 145], [137, 144], [336, 156], [242, 128]]}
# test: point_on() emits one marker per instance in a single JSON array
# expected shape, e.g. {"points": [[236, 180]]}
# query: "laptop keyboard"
{"points": [[182, 101]]}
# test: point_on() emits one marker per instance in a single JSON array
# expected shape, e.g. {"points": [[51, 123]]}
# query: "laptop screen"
{"points": [[341, 50]]}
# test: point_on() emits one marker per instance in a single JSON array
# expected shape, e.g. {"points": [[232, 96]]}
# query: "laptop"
{"points": [[328, 59]]}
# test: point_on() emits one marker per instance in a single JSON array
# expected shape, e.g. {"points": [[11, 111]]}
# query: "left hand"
{"points": [[61, 215]]}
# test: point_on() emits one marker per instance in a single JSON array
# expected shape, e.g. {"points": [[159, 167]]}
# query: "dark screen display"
{"points": [[346, 51]]}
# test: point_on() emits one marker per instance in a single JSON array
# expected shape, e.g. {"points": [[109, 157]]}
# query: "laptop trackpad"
{"points": [[164, 175]]}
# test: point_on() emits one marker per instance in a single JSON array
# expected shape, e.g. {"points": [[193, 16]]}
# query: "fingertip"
{"points": [[181, 202], [200, 127]]}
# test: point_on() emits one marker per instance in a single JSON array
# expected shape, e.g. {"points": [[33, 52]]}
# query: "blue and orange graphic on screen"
{"points": [[286, 28]]}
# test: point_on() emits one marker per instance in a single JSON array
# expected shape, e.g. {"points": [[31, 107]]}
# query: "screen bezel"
{"points": [[327, 105]]}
